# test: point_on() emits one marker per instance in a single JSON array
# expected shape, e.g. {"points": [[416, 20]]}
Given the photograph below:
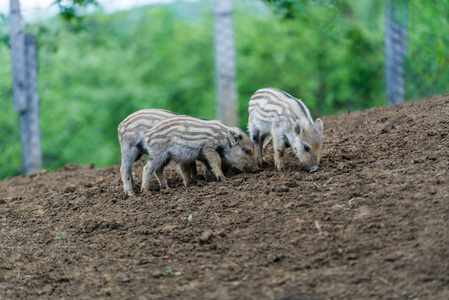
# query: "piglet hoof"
{"points": [[129, 194], [280, 167], [197, 179], [313, 169]]}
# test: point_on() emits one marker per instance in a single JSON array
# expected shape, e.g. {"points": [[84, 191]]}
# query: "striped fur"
{"points": [[131, 135], [184, 139], [132, 130], [288, 121]]}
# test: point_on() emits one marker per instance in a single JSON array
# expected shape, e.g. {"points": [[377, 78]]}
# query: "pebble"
{"points": [[206, 237], [157, 274]]}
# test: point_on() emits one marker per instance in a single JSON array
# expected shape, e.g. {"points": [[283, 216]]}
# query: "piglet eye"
{"points": [[247, 151], [307, 148]]}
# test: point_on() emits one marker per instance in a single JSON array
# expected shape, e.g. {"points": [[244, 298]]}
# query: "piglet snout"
{"points": [[250, 169]]}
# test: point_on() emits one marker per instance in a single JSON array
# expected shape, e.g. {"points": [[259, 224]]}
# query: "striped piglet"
{"points": [[288, 121], [185, 139]]}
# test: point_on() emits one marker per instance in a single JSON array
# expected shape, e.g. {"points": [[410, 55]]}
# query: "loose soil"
{"points": [[371, 223]]}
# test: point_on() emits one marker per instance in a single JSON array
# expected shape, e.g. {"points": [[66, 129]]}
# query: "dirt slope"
{"points": [[372, 222]]}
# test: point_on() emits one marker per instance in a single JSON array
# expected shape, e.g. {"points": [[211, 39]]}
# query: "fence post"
{"points": [[25, 90], [17, 42], [225, 70], [32, 114], [396, 29]]}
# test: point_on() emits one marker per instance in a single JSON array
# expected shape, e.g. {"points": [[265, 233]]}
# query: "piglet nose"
{"points": [[251, 169], [313, 169]]}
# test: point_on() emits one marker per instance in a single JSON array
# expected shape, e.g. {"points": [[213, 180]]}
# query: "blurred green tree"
{"points": [[72, 9]]}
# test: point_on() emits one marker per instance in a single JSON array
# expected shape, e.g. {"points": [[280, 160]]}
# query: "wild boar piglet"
{"points": [[184, 139], [288, 121]]}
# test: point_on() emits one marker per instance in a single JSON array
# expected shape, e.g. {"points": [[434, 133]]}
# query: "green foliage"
{"points": [[97, 70], [427, 62], [70, 9], [124, 62], [11, 153], [334, 63]]}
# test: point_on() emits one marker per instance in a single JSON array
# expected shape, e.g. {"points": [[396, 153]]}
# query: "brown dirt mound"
{"points": [[372, 222]]}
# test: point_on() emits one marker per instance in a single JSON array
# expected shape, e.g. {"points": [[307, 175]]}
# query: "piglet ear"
{"points": [[298, 128], [234, 137], [319, 125]]}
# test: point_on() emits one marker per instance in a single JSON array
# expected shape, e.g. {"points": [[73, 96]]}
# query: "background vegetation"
{"points": [[97, 70]]}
